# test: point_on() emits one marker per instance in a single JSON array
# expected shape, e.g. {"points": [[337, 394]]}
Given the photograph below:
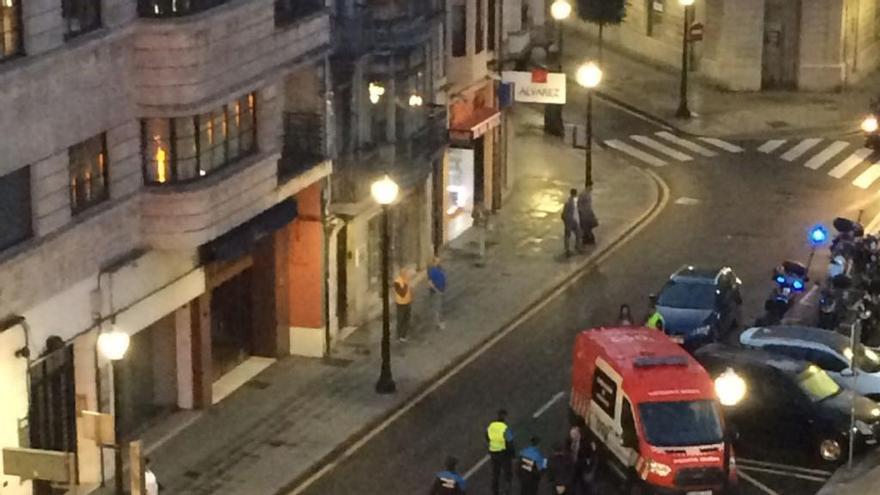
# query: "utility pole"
{"points": [[502, 162]]}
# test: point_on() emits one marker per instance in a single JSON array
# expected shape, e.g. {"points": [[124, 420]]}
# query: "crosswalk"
{"points": [[838, 159], [660, 148]]}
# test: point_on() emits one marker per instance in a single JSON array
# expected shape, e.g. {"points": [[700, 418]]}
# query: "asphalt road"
{"points": [[747, 210]]}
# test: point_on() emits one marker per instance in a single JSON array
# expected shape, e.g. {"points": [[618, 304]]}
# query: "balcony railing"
{"points": [[304, 145], [175, 8], [290, 11]]}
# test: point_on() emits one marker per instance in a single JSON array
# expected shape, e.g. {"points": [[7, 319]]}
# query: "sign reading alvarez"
{"points": [[538, 86]]}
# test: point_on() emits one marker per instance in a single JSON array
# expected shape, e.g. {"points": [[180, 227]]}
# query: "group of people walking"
{"points": [[579, 220], [569, 468]]}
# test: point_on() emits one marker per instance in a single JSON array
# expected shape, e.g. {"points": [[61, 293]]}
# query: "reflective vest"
{"points": [[406, 298], [655, 321], [497, 436]]}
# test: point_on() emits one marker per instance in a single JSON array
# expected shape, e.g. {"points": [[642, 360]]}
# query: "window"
{"points": [[10, 28], [628, 426], [186, 148], [89, 183], [174, 8], [680, 424], [492, 20], [15, 207], [687, 295], [80, 16], [459, 31], [654, 14], [478, 27], [604, 392]]}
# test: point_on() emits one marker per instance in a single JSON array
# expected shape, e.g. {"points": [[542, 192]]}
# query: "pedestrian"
{"points": [[448, 482], [151, 484], [624, 316], [501, 450], [571, 222], [560, 470], [587, 216], [437, 289], [480, 216], [532, 465], [576, 450], [403, 300], [655, 319]]}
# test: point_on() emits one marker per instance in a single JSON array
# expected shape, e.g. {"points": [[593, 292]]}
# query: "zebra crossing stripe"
{"points": [[826, 154], [662, 148], [800, 149], [771, 145], [868, 176], [850, 163], [684, 143], [722, 144], [635, 152]]}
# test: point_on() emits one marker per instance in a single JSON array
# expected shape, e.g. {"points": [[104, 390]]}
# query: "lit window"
{"points": [[88, 173], [10, 28]]}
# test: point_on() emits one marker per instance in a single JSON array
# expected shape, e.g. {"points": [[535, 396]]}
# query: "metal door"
{"points": [[781, 44]]}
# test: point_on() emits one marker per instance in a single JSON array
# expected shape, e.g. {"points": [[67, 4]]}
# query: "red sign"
{"points": [[696, 32], [539, 76]]}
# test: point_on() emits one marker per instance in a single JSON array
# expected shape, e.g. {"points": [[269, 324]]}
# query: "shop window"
{"points": [[491, 24], [478, 28], [80, 16], [374, 252], [186, 148], [52, 413], [10, 28], [459, 30], [655, 9], [88, 164], [15, 207]]}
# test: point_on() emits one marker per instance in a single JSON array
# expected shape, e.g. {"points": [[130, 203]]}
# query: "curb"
{"points": [[372, 428], [651, 117]]}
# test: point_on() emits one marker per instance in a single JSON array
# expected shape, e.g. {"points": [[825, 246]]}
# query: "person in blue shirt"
{"points": [[437, 288], [531, 465], [448, 482]]}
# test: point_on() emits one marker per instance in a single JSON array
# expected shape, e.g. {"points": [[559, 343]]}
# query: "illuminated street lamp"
{"points": [[560, 10], [683, 111], [113, 345], [589, 75], [731, 390], [415, 100], [384, 192], [870, 125], [376, 92]]}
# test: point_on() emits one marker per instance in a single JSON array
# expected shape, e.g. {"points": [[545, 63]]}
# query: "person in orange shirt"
{"points": [[403, 300]]}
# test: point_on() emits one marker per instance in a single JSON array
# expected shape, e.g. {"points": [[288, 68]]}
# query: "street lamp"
{"points": [[560, 10], [683, 111], [589, 75], [731, 390], [870, 125], [415, 100], [384, 192], [113, 346]]}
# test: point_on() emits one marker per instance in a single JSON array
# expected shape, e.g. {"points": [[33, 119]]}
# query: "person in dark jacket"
{"points": [[560, 470], [571, 222], [587, 216]]}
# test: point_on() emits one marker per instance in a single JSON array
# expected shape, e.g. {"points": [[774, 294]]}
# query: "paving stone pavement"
{"points": [[281, 426]]}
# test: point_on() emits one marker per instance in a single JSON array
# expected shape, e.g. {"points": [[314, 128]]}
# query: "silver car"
{"points": [[826, 349]]}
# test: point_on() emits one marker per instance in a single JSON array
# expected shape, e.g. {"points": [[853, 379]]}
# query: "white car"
{"points": [[826, 349]]}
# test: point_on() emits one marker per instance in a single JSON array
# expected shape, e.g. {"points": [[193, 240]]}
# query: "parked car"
{"points": [[792, 404], [700, 305], [828, 350]]}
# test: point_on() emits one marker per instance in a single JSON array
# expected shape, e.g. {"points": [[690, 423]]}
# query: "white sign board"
{"points": [[530, 89]]}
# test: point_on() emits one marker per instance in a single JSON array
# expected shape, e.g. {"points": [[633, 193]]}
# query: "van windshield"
{"points": [[680, 424]]}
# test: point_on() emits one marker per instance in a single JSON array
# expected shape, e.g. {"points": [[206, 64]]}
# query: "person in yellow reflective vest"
{"points": [[403, 299], [501, 451], [655, 319]]}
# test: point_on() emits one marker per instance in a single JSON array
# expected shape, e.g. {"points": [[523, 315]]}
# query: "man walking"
{"points": [[403, 300], [437, 288], [571, 221], [532, 464], [500, 452], [587, 216]]}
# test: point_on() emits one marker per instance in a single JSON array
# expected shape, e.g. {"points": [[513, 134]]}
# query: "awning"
{"points": [[241, 240], [480, 122]]}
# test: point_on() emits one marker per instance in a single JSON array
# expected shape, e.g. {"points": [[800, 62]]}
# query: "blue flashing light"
{"points": [[780, 279], [818, 235], [798, 285]]}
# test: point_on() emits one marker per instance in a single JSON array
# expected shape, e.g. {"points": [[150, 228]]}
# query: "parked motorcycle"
{"points": [[834, 301], [790, 280]]}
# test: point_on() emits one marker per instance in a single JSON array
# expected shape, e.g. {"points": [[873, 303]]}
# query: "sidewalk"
{"points": [[863, 479], [654, 90], [287, 423]]}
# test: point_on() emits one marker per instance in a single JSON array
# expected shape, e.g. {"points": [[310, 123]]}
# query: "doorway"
{"points": [[342, 276], [779, 64], [232, 319], [480, 170]]}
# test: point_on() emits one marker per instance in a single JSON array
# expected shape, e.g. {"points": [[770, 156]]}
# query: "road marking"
{"points": [[800, 149], [548, 405], [771, 145], [684, 143], [476, 467], [850, 163], [784, 473], [766, 489], [747, 462], [635, 153], [685, 201], [868, 176], [662, 148], [722, 144], [826, 154], [635, 228]]}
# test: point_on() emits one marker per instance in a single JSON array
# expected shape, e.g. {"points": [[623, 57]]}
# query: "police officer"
{"points": [[532, 464], [655, 319], [448, 482], [501, 450]]}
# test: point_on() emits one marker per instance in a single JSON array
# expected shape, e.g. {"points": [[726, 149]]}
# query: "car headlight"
{"points": [[703, 330], [659, 468], [829, 450], [864, 428]]}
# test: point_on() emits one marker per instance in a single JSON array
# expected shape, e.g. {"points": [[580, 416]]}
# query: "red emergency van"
{"points": [[652, 412]]}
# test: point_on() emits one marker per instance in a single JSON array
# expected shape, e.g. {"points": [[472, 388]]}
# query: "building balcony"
{"points": [[304, 144]]}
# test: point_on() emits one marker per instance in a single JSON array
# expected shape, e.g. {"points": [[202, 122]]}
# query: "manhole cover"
{"points": [[258, 384]]}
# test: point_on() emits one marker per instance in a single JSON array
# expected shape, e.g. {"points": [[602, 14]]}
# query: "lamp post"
{"points": [[683, 111], [560, 10], [384, 192], [731, 390], [113, 346], [589, 75]]}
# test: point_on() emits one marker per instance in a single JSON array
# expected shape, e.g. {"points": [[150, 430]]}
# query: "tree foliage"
{"points": [[602, 12]]}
